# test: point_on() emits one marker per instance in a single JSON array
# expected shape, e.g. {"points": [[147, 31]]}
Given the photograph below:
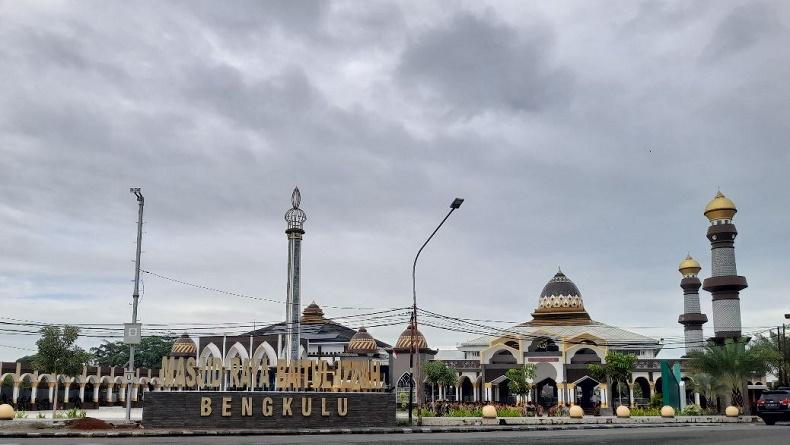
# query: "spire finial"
{"points": [[296, 198]]}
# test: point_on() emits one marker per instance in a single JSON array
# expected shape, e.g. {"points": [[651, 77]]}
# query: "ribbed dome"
{"points": [[183, 347], [362, 343], [720, 207], [689, 266], [313, 314], [559, 295], [405, 339]]}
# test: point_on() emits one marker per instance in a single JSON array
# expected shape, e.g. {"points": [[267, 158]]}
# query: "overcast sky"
{"points": [[583, 134]]}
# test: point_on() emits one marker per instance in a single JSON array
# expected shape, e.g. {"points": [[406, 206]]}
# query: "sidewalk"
{"points": [[56, 433], [104, 413]]}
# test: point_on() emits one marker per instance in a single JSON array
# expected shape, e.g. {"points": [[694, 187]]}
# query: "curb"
{"points": [[300, 432]]}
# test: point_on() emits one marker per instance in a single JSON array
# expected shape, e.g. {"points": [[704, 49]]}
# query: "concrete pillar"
{"points": [[572, 393], [51, 392], [82, 392], [33, 392], [631, 394], [110, 394], [15, 394], [135, 389], [96, 393], [560, 393], [122, 393], [652, 389], [475, 388], [66, 387]]}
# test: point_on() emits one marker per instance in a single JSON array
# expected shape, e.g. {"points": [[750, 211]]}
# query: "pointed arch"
{"points": [[210, 350], [265, 349], [237, 350]]}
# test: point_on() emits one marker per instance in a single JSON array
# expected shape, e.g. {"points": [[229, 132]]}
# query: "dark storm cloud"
{"points": [[741, 28], [478, 62], [589, 137]]}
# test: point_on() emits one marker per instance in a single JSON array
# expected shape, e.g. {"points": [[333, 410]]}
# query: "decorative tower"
{"points": [[295, 217], [724, 283], [692, 318]]}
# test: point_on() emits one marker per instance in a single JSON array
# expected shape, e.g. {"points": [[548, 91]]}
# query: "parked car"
{"points": [[774, 406]]}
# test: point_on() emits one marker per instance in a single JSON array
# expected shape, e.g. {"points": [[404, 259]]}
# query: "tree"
{"points": [[59, 355], [776, 351], [438, 373], [148, 354], [707, 386], [731, 364], [617, 369], [521, 380]]}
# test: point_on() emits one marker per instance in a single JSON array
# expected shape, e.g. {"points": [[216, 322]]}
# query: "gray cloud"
{"points": [[478, 63], [587, 138]]}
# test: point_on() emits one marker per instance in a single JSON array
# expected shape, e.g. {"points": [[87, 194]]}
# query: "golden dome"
{"points": [[405, 339], [313, 314], [720, 207], [183, 347], [362, 343], [689, 266]]}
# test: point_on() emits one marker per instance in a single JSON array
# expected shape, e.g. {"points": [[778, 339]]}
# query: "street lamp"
{"points": [[455, 205]]}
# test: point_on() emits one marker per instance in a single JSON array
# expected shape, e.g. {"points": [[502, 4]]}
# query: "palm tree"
{"points": [[730, 364], [706, 386]]}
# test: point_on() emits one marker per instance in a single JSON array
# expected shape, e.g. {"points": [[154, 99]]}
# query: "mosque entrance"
{"points": [[547, 393], [586, 395]]}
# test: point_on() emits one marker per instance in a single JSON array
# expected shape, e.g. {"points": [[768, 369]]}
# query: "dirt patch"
{"points": [[88, 423]]}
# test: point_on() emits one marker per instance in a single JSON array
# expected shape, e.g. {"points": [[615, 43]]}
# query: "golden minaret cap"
{"points": [[689, 266], [720, 207]]}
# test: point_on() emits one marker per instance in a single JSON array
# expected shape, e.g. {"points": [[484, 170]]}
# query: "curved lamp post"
{"points": [[456, 204]]}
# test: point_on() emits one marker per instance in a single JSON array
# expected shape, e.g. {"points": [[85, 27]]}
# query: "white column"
{"points": [[15, 394], [51, 392], [96, 392], [631, 394], [82, 392], [33, 393], [66, 388], [682, 391]]}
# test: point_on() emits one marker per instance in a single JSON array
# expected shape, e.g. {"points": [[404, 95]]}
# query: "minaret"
{"points": [[295, 217], [724, 283], [692, 318]]}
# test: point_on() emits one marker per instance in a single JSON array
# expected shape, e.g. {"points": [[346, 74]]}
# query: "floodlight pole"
{"points": [[453, 207], [136, 293]]}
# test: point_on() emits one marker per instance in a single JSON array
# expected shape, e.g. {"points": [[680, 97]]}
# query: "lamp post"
{"points": [[135, 295], [455, 205]]}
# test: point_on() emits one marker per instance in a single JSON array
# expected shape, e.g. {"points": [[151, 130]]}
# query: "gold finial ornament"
{"points": [[720, 207], [689, 266]]}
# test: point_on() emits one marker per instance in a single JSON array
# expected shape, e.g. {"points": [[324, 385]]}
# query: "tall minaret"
{"points": [[295, 217], [724, 283], [692, 318]]}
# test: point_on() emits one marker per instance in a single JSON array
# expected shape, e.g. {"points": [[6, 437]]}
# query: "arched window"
{"points": [[503, 357], [402, 390]]}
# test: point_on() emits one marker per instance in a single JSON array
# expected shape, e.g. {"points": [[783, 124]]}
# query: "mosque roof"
{"points": [[316, 328], [560, 315]]}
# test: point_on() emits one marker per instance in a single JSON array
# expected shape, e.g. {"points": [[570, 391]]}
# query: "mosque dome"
{"points": [[720, 207], [362, 343], [313, 314], [183, 347], [560, 294], [405, 339], [689, 266]]}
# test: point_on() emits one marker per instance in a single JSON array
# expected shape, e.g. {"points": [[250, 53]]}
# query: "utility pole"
{"points": [[135, 298]]}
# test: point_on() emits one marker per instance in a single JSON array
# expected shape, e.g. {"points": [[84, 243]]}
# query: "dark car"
{"points": [[774, 406]]}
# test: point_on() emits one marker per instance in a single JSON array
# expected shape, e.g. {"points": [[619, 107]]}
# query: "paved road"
{"points": [[715, 434]]}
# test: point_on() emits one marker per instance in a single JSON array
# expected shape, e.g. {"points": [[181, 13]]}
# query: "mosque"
{"points": [[561, 339]]}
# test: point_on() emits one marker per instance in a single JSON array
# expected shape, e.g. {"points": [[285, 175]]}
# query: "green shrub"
{"points": [[691, 410], [509, 411], [20, 415], [75, 413], [426, 413], [463, 412], [652, 411], [40, 416], [656, 400], [59, 415]]}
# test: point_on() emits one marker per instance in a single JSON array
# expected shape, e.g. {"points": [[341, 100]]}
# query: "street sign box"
{"points": [[131, 333]]}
